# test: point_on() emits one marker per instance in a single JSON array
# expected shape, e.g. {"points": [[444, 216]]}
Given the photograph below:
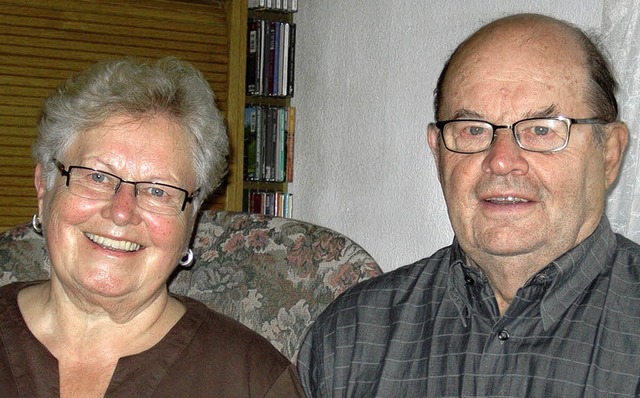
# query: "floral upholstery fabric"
{"points": [[273, 274], [22, 256]]}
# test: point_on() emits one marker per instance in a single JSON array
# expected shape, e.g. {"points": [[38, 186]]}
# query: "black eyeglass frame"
{"points": [[66, 172], [567, 120]]}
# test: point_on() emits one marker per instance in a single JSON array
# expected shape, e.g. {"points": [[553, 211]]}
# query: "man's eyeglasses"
{"points": [[535, 134], [95, 184]]}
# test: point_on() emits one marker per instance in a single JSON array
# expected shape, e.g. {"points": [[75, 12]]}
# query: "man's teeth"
{"points": [[114, 244], [507, 200]]}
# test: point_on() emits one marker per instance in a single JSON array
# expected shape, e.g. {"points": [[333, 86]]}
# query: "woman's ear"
{"points": [[615, 144], [41, 185]]}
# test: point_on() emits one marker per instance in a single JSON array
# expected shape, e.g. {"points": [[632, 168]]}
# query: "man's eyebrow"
{"points": [[464, 113], [549, 111]]}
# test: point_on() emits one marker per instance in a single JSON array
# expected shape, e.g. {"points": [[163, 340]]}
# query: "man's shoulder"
{"points": [[628, 249], [361, 318], [626, 266], [404, 284]]}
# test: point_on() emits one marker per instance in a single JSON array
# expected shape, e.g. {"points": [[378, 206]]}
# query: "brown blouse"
{"points": [[204, 355]]}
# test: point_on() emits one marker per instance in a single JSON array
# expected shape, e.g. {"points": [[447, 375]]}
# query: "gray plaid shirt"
{"points": [[433, 329]]}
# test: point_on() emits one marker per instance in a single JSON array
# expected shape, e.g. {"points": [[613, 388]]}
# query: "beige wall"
{"points": [[365, 73]]}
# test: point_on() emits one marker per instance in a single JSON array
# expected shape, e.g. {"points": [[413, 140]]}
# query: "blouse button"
{"points": [[503, 335]]}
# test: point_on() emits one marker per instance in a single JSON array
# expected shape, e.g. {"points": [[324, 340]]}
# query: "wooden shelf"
{"points": [[237, 26], [266, 186]]}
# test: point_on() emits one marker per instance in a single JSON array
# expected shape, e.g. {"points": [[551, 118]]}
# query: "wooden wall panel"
{"points": [[42, 42]]}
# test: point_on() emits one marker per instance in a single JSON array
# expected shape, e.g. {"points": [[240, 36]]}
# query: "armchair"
{"points": [[273, 274]]}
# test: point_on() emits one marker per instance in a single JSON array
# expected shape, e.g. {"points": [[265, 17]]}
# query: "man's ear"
{"points": [[433, 138], [615, 143]]}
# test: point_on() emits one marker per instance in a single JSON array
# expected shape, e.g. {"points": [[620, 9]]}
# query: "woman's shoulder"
{"points": [[9, 292], [232, 356], [221, 333]]}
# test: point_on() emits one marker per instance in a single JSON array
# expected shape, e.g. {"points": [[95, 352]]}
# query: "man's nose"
{"points": [[505, 155]]}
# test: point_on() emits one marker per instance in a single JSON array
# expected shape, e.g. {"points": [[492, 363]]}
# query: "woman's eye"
{"points": [[157, 192], [98, 177]]}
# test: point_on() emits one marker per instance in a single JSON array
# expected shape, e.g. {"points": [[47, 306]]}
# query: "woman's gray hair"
{"points": [[137, 88]]}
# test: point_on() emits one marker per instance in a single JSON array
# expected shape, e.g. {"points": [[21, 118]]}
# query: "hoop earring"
{"points": [[36, 224], [186, 259]]}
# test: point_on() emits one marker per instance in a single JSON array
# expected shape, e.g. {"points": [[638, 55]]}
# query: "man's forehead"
{"points": [[512, 71], [540, 35], [537, 40]]}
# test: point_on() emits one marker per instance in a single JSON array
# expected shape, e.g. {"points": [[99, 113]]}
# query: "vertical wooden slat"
{"points": [[237, 17], [42, 42]]}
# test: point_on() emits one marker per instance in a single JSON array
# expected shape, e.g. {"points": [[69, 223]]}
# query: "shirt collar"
{"points": [[567, 277], [576, 270], [459, 276]]}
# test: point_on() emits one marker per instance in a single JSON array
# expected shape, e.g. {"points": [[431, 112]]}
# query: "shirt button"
{"points": [[542, 278], [503, 335]]}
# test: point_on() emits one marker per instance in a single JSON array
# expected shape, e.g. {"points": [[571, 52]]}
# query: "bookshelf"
{"points": [[269, 119]]}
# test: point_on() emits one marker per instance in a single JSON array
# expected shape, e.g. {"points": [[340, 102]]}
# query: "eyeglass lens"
{"points": [[98, 185], [541, 135]]}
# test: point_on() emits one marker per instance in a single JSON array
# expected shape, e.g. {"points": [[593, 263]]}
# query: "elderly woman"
{"points": [[127, 152]]}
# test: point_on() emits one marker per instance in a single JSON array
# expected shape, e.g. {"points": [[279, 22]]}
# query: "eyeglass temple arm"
{"points": [[60, 167]]}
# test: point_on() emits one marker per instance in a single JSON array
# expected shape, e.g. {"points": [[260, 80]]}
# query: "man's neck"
{"points": [[507, 275]]}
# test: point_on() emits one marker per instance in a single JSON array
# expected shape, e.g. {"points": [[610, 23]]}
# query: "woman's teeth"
{"points": [[114, 244]]}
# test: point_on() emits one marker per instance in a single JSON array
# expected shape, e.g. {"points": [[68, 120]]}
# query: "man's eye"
{"points": [[476, 130], [541, 130]]}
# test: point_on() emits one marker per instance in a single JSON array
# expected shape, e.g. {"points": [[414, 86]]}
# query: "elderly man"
{"points": [[536, 296]]}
